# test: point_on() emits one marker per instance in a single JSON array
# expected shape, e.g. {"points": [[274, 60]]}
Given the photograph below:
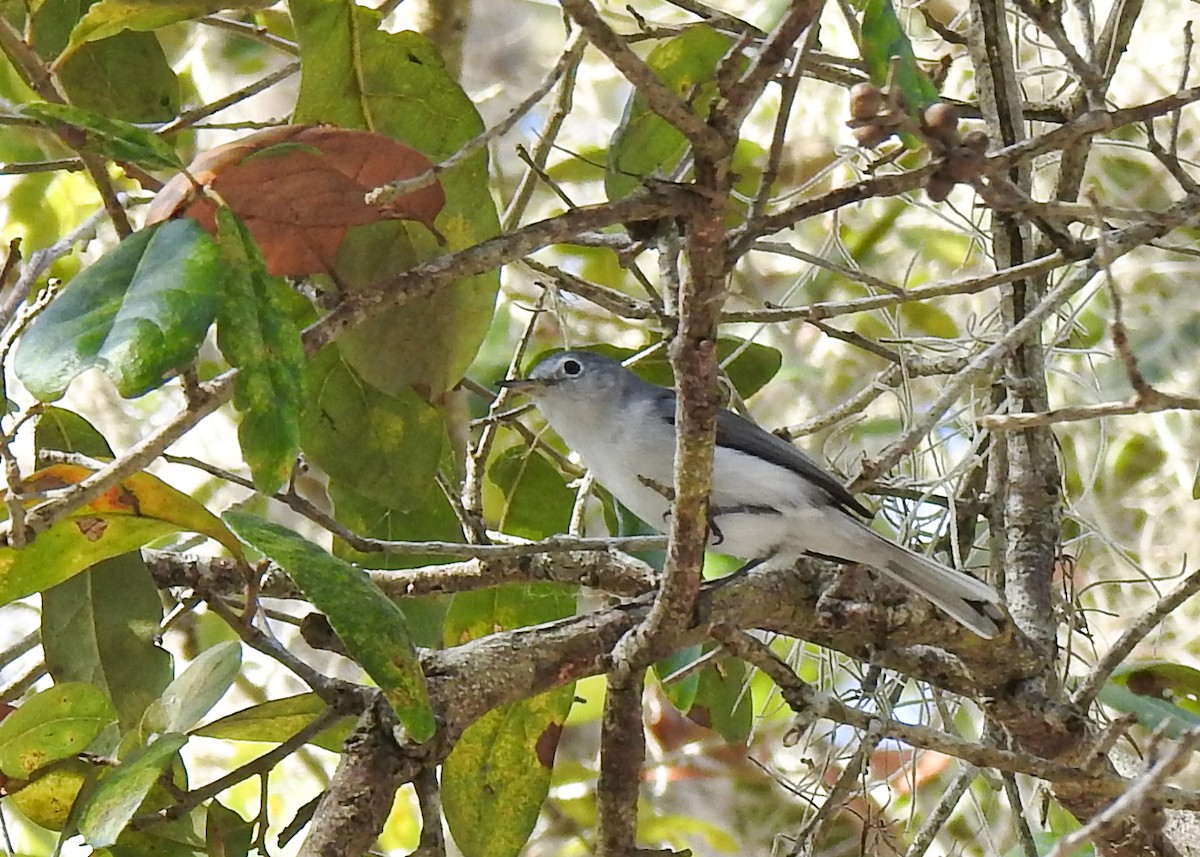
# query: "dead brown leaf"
{"points": [[299, 188]]}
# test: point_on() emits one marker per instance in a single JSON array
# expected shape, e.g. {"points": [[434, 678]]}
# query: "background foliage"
{"points": [[262, 369]]}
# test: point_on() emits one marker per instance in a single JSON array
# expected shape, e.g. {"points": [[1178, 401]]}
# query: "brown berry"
{"points": [[976, 141], [870, 136], [940, 123], [964, 164], [865, 100], [941, 116], [939, 186]]}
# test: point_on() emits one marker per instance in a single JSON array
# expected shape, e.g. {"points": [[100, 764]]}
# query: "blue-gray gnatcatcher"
{"points": [[768, 498]]}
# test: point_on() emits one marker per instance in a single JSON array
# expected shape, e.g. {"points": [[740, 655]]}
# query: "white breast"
{"points": [[745, 488]]}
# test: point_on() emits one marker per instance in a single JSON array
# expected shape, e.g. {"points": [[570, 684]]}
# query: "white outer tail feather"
{"points": [[961, 596]]}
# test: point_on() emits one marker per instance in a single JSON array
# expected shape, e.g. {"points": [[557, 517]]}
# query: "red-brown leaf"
{"points": [[299, 188]]}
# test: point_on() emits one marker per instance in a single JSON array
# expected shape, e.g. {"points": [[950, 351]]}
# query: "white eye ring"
{"points": [[572, 368]]}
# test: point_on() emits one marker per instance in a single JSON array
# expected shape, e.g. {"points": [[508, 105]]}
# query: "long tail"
{"points": [[964, 598]]}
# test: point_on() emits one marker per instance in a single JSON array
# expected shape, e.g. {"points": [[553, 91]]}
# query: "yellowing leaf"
{"points": [[125, 517]]}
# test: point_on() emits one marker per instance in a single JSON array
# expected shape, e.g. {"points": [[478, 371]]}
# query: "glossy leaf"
{"points": [[355, 75], [278, 720], [56, 723], [428, 516], [1151, 712], [67, 431], [256, 334], [127, 516], [140, 314], [884, 40], [188, 698], [371, 626], [48, 797], [112, 138], [645, 144], [121, 791], [1178, 683], [498, 775]]}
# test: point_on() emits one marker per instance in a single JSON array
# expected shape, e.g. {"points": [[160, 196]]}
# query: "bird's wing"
{"points": [[736, 432]]}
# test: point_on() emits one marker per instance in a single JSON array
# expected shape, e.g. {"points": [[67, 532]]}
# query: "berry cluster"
{"points": [[876, 114]]}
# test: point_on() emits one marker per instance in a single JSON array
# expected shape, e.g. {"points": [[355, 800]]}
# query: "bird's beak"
{"points": [[519, 385]]}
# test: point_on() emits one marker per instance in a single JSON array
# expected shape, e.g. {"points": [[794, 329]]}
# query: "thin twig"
{"points": [[189, 118], [659, 97], [811, 704], [40, 260], [935, 820], [1142, 792], [252, 31], [1134, 634], [546, 141], [429, 798], [392, 191], [258, 767]]}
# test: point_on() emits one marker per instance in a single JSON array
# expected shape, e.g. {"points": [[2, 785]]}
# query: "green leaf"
{"points": [[1139, 457], [387, 446], [112, 138], [192, 695], [109, 17], [682, 692], [884, 39], [929, 319], [226, 833], [69, 547], [536, 501], [495, 780], [355, 75], [723, 702], [51, 725], [175, 838], [121, 791], [1177, 683], [256, 334], [278, 720], [645, 144], [1151, 712], [101, 627], [372, 627], [67, 431], [140, 313], [430, 517], [126, 76]]}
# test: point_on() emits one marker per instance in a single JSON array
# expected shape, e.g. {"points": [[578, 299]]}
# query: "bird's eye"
{"points": [[571, 368]]}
